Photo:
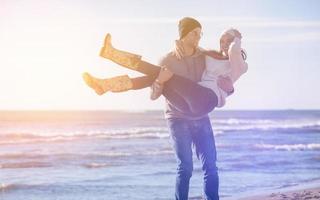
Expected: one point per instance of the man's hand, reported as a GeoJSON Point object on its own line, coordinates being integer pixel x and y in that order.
{"type": "Point", "coordinates": [225, 83]}
{"type": "Point", "coordinates": [178, 49]}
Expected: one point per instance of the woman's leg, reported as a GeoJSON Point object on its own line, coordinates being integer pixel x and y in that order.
{"type": "Point", "coordinates": [118, 83]}
{"type": "Point", "coordinates": [127, 59]}
{"type": "Point", "coordinates": [185, 95]}
{"type": "Point", "coordinates": [181, 91]}
{"type": "Point", "coordinates": [114, 84]}
{"type": "Point", "coordinates": [141, 82]}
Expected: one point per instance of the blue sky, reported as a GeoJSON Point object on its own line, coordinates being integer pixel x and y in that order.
{"type": "Point", "coordinates": [46, 45]}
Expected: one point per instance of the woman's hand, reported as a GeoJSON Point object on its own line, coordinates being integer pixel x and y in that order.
{"type": "Point", "coordinates": [178, 49]}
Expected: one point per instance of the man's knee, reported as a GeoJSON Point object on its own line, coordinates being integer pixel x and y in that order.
{"type": "Point", "coordinates": [185, 170]}
{"type": "Point", "coordinates": [210, 169]}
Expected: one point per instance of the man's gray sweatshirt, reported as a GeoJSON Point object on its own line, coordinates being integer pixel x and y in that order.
{"type": "Point", "coordinates": [190, 67]}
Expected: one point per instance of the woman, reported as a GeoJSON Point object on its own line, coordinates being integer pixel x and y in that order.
{"type": "Point", "coordinates": [194, 99]}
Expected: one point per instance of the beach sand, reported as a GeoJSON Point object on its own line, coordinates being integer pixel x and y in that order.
{"type": "Point", "coordinates": [299, 194]}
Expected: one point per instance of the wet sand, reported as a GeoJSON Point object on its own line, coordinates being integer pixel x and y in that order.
{"type": "Point", "coordinates": [299, 194]}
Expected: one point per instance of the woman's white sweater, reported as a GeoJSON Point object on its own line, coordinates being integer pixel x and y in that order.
{"type": "Point", "coordinates": [234, 67]}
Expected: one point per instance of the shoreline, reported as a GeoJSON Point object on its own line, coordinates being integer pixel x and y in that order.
{"type": "Point", "coordinates": [305, 191]}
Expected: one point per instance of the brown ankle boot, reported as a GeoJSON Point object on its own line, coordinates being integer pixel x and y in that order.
{"type": "Point", "coordinates": [115, 84]}
{"type": "Point", "coordinates": [122, 58]}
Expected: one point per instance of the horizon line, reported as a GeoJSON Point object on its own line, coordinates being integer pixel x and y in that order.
{"type": "Point", "coordinates": [151, 110]}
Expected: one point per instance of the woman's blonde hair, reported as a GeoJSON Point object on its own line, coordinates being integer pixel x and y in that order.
{"type": "Point", "coordinates": [229, 31]}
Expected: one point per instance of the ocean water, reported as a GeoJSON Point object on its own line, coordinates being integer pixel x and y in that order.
{"type": "Point", "coordinates": [128, 155]}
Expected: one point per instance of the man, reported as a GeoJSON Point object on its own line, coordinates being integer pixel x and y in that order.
{"type": "Point", "coordinates": [186, 130]}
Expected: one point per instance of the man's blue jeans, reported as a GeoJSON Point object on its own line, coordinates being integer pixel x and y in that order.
{"type": "Point", "coordinates": [184, 133]}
